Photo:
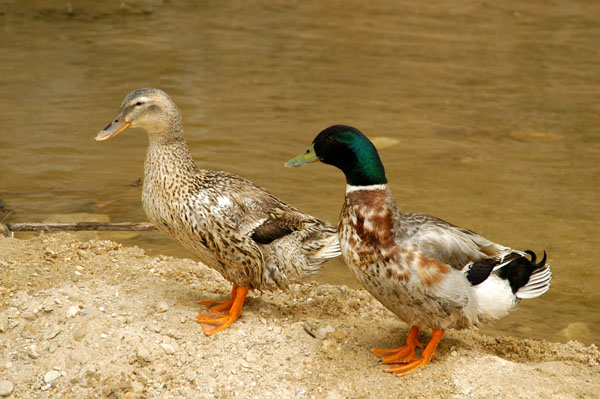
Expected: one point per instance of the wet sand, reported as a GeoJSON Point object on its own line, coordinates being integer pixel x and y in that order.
{"type": "Point", "coordinates": [91, 319]}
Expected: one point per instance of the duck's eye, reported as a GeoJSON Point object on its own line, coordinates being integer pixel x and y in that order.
{"type": "Point", "coordinates": [138, 103]}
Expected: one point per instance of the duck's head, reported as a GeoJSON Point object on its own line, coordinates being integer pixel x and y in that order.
{"type": "Point", "coordinates": [147, 108]}
{"type": "Point", "coordinates": [346, 148]}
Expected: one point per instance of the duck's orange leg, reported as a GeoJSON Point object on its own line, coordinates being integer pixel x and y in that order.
{"type": "Point", "coordinates": [403, 354]}
{"type": "Point", "coordinates": [409, 367]}
{"type": "Point", "coordinates": [213, 322]}
{"type": "Point", "coordinates": [218, 306]}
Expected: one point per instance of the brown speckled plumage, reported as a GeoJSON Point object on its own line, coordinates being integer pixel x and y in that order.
{"type": "Point", "coordinates": [235, 227]}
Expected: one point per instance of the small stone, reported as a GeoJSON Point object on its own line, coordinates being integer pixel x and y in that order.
{"type": "Point", "coordinates": [162, 307]}
{"type": "Point", "coordinates": [32, 351]}
{"type": "Point", "coordinates": [6, 388]}
{"type": "Point", "coordinates": [154, 327]}
{"type": "Point", "coordinates": [51, 376]}
{"type": "Point", "coordinates": [48, 305]}
{"type": "Point", "coordinates": [72, 311]}
{"type": "Point", "coordinates": [80, 333]}
{"type": "Point", "coordinates": [277, 330]}
{"type": "Point", "coordinates": [52, 332]}
{"type": "Point", "coordinates": [318, 333]}
{"type": "Point", "coordinates": [168, 348]}
{"type": "Point", "coordinates": [454, 353]}
{"type": "Point", "coordinates": [143, 354]}
{"type": "Point", "coordinates": [103, 335]}
{"type": "Point", "coordinates": [28, 315]}
{"type": "Point", "coordinates": [28, 332]}
{"type": "Point", "coordinates": [3, 323]}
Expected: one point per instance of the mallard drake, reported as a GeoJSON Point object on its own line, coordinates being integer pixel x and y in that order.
{"type": "Point", "coordinates": [429, 273]}
{"type": "Point", "coordinates": [242, 231]}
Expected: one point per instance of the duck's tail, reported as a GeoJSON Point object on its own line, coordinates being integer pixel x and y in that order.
{"type": "Point", "coordinates": [300, 255]}
{"type": "Point", "coordinates": [508, 281]}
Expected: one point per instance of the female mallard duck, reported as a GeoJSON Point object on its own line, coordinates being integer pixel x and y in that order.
{"type": "Point", "coordinates": [235, 227]}
{"type": "Point", "coordinates": [428, 272]}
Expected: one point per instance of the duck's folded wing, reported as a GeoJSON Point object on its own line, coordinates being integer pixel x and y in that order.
{"type": "Point", "coordinates": [446, 243]}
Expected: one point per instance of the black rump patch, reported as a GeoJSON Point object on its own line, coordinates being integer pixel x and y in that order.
{"type": "Point", "coordinates": [519, 270]}
{"type": "Point", "coordinates": [479, 272]}
{"type": "Point", "coordinates": [268, 232]}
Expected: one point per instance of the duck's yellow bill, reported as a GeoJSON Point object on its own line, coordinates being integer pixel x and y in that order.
{"type": "Point", "coordinates": [306, 157]}
{"type": "Point", "coordinates": [112, 130]}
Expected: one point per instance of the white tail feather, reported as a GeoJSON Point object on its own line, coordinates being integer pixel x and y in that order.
{"type": "Point", "coordinates": [329, 250]}
{"type": "Point", "coordinates": [538, 284]}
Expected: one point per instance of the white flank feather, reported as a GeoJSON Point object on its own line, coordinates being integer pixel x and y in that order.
{"type": "Point", "coordinates": [495, 297]}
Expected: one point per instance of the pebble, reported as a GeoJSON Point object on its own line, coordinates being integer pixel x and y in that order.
{"type": "Point", "coordinates": [3, 324]}
{"type": "Point", "coordinates": [80, 333]}
{"type": "Point", "coordinates": [32, 351]}
{"type": "Point", "coordinates": [168, 348]}
{"type": "Point", "coordinates": [72, 311]}
{"type": "Point", "coordinates": [162, 307]}
{"type": "Point", "coordinates": [143, 353]}
{"type": "Point", "coordinates": [48, 305]}
{"type": "Point", "coordinates": [52, 332]}
{"type": "Point", "coordinates": [28, 332]}
{"type": "Point", "coordinates": [6, 388]}
{"type": "Point", "coordinates": [51, 376]}
{"type": "Point", "coordinates": [28, 315]}
{"type": "Point", "coordinates": [318, 333]}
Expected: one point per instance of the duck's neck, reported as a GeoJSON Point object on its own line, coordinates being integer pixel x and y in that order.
{"type": "Point", "coordinates": [168, 159]}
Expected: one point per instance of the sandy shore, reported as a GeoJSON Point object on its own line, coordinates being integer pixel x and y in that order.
{"type": "Point", "coordinates": [95, 319]}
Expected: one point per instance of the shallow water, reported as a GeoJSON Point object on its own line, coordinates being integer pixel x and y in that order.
{"type": "Point", "coordinates": [495, 109]}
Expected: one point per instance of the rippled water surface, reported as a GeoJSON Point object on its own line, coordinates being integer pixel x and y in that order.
{"type": "Point", "coordinates": [494, 107]}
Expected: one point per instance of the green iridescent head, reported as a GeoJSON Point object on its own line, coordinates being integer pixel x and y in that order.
{"type": "Point", "coordinates": [346, 148]}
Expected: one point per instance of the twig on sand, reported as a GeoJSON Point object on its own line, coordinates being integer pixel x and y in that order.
{"type": "Point", "coordinates": [136, 183]}
{"type": "Point", "coordinates": [6, 229]}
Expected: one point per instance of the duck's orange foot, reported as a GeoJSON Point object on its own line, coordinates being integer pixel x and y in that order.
{"type": "Point", "coordinates": [404, 369]}
{"type": "Point", "coordinates": [403, 354]}
{"type": "Point", "coordinates": [409, 366]}
{"type": "Point", "coordinates": [214, 321]}
{"type": "Point", "coordinates": [217, 306]}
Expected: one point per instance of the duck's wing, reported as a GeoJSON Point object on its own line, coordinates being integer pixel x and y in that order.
{"type": "Point", "coordinates": [245, 220]}
{"type": "Point", "coordinates": [449, 244]}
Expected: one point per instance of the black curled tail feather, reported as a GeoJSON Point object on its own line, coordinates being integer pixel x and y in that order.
{"type": "Point", "coordinates": [541, 263]}
{"type": "Point", "coordinates": [527, 278]}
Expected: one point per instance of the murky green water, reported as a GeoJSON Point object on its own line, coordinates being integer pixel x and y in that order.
{"type": "Point", "coordinates": [495, 107]}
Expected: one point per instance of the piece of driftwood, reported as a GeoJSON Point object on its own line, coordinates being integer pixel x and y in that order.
{"type": "Point", "coordinates": [79, 226]}
{"type": "Point", "coordinates": [136, 183]}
